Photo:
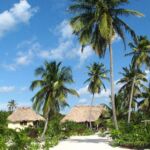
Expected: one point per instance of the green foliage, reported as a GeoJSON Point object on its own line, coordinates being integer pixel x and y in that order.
{"type": "Point", "coordinates": [2, 143]}
{"type": "Point", "coordinates": [132, 136]}
{"type": "Point", "coordinates": [51, 142]}
{"type": "Point", "coordinates": [96, 74]}
{"type": "Point", "coordinates": [72, 128]}
{"type": "Point", "coordinates": [20, 141]}
{"type": "Point", "coordinates": [3, 118]}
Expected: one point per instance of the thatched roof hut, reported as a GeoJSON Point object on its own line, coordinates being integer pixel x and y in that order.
{"type": "Point", "coordinates": [82, 114]}
{"type": "Point", "coordinates": [24, 114]}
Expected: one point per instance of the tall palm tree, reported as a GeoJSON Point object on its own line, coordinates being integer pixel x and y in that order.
{"type": "Point", "coordinates": [144, 104]}
{"type": "Point", "coordinates": [97, 73]}
{"type": "Point", "coordinates": [11, 105]}
{"type": "Point", "coordinates": [130, 76]}
{"type": "Point", "coordinates": [52, 89]}
{"type": "Point", "coordinates": [140, 56]}
{"type": "Point", "coordinates": [96, 22]}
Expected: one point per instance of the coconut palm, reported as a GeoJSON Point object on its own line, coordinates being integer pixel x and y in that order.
{"type": "Point", "coordinates": [130, 76]}
{"type": "Point", "coordinates": [11, 105]}
{"type": "Point", "coordinates": [96, 23]}
{"type": "Point", "coordinates": [141, 56]}
{"type": "Point", "coordinates": [97, 73]}
{"type": "Point", "coordinates": [144, 104]}
{"type": "Point", "coordinates": [52, 89]}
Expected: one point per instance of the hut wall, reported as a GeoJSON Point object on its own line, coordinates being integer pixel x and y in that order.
{"type": "Point", "coordinates": [18, 125]}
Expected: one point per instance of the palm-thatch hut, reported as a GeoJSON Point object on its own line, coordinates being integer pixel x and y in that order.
{"type": "Point", "coordinates": [22, 118]}
{"type": "Point", "coordinates": [84, 114]}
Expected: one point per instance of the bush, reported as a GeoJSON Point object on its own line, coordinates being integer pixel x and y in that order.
{"type": "Point", "coordinates": [3, 118]}
{"type": "Point", "coordinates": [3, 143]}
{"type": "Point", "coordinates": [20, 141]}
{"type": "Point", "coordinates": [132, 136]}
{"type": "Point", "coordinates": [72, 128]}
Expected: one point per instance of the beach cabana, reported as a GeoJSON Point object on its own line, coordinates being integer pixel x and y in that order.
{"type": "Point", "coordinates": [82, 114]}
{"type": "Point", "coordinates": [23, 117]}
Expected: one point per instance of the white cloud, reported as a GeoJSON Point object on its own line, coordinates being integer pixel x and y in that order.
{"type": "Point", "coordinates": [67, 49]}
{"type": "Point", "coordinates": [7, 89]}
{"type": "Point", "coordinates": [103, 94]}
{"type": "Point", "coordinates": [65, 30]}
{"type": "Point", "coordinates": [24, 89]}
{"type": "Point", "coordinates": [116, 38]}
{"type": "Point", "coordinates": [20, 13]}
{"type": "Point", "coordinates": [147, 74]}
{"type": "Point", "coordinates": [24, 58]}
{"type": "Point", "coordinates": [83, 101]}
{"type": "Point", "coordinates": [83, 90]}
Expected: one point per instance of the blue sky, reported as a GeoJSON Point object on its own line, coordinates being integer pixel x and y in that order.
{"type": "Point", "coordinates": [35, 30]}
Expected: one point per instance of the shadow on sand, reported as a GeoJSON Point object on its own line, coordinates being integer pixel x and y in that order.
{"type": "Point", "coordinates": [89, 140]}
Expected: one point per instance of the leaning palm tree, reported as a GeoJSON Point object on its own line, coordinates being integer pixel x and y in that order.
{"type": "Point", "coordinates": [11, 105]}
{"type": "Point", "coordinates": [130, 76]}
{"type": "Point", "coordinates": [52, 89]}
{"type": "Point", "coordinates": [96, 22]}
{"type": "Point", "coordinates": [141, 56]}
{"type": "Point", "coordinates": [97, 73]}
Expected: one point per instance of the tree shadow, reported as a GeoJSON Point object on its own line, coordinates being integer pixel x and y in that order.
{"type": "Point", "coordinates": [100, 140]}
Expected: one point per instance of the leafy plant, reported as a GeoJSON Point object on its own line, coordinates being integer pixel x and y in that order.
{"type": "Point", "coordinates": [132, 136]}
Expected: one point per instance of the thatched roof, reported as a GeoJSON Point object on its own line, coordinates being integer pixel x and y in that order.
{"type": "Point", "coordinates": [24, 114]}
{"type": "Point", "coordinates": [82, 114]}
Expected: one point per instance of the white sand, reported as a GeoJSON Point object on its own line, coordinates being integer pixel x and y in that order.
{"type": "Point", "coordinates": [93, 142]}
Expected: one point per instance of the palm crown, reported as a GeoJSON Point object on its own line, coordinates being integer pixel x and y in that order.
{"type": "Point", "coordinates": [97, 21]}
{"type": "Point", "coordinates": [53, 91]}
{"type": "Point", "coordinates": [129, 74]}
{"type": "Point", "coordinates": [141, 51]}
{"type": "Point", "coordinates": [97, 73]}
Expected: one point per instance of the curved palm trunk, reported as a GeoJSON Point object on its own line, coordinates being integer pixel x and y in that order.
{"type": "Point", "coordinates": [45, 128]}
{"type": "Point", "coordinates": [112, 87]}
{"type": "Point", "coordinates": [46, 125]}
{"type": "Point", "coordinates": [130, 101]}
{"type": "Point", "coordinates": [91, 111]}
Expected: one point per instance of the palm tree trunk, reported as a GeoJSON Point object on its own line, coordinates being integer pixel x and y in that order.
{"type": "Point", "coordinates": [130, 101]}
{"type": "Point", "coordinates": [112, 87]}
{"type": "Point", "coordinates": [45, 128]}
{"type": "Point", "coordinates": [91, 111]}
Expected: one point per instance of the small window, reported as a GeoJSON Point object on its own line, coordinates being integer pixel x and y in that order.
{"type": "Point", "coordinates": [23, 123]}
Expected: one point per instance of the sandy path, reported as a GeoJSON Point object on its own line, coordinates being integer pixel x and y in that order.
{"type": "Point", "coordinates": [85, 143]}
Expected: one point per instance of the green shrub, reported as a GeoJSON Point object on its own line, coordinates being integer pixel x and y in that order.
{"type": "Point", "coordinates": [51, 142]}
{"type": "Point", "coordinates": [72, 128]}
{"type": "Point", "coordinates": [20, 141]}
{"type": "Point", "coordinates": [2, 143]}
{"type": "Point", "coordinates": [132, 136]}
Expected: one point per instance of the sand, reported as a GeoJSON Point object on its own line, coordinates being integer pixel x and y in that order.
{"type": "Point", "coordinates": [93, 142]}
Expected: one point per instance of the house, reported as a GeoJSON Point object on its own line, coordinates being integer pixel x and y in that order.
{"type": "Point", "coordinates": [84, 114]}
{"type": "Point", "coordinates": [22, 118]}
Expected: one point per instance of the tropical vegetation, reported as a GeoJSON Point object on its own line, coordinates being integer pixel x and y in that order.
{"type": "Point", "coordinates": [96, 23]}
{"type": "Point", "coordinates": [97, 73]}
{"type": "Point", "coordinates": [53, 90]}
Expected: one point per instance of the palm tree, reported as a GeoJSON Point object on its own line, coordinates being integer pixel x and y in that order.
{"type": "Point", "coordinates": [144, 104]}
{"type": "Point", "coordinates": [52, 89]}
{"type": "Point", "coordinates": [11, 105]}
{"type": "Point", "coordinates": [141, 56]}
{"type": "Point", "coordinates": [96, 22]}
{"type": "Point", "coordinates": [130, 76]}
{"type": "Point", "coordinates": [121, 105]}
{"type": "Point", "coordinates": [97, 73]}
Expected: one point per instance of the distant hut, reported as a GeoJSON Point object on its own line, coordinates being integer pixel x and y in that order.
{"type": "Point", "coordinates": [82, 114]}
{"type": "Point", "coordinates": [22, 118]}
